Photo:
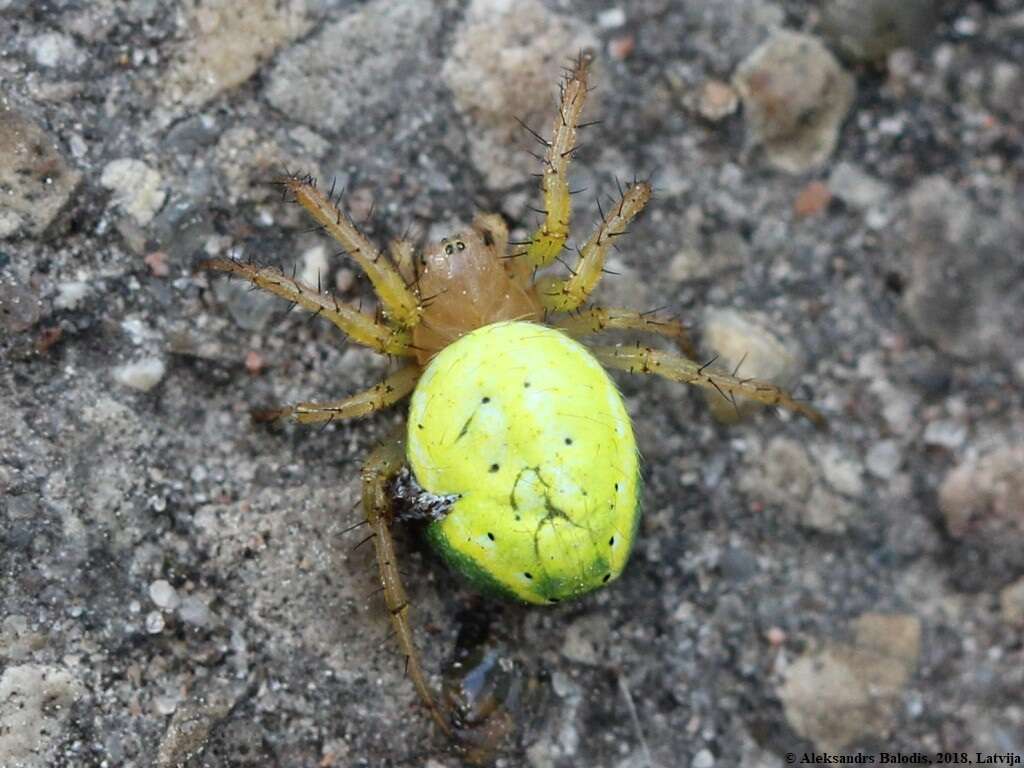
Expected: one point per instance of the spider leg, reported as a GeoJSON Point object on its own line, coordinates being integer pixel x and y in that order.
{"type": "Point", "coordinates": [403, 253]}
{"type": "Point", "coordinates": [596, 319]}
{"type": "Point", "coordinates": [652, 361]}
{"type": "Point", "coordinates": [381, 466]}
{"type": "Point", "coordinates": [387, 393]}
{"type": "Point", "coordinates": [360, 327]}
{"type": "Point", "coordinates": [400, 302]}
{"type": "Point", "coordinates": [560, 295]}
{"type": "Point", "coordinates": [549, 239]}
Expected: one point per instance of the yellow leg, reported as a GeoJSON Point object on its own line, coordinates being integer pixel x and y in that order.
{"type": "Point", "coordinates": [380, 468]}
{"type": "Point", "coordinates": [548, 240]}
{"type": "Point", "coordinates": [387, 393]}
{"type": "Point", "coordinates": [399, 302]}
{"type": "Point", "coordinates": [360, 327]}
{"type": "Point", "coordinates": [565, 295]}
{"type": "Point", "coordinates": [597, 319]}
{"type": "Point", "coordinates": [402, 254]}
{"type": "Point", "coordinates": [652, 361]}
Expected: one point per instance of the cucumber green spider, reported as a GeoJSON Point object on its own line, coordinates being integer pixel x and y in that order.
{"type": "Point", "coordinates": [518, 450]}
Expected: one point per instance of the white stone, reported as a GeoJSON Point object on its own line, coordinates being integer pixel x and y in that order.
{"type": "Point", "coordinates": [155, 622]}
{"type": "Point", "coordinates": [611, 18]}
{"type": "Point", "coordinates": [855, 187]}
{"type": "Point", "coordinates": [163, 595]}
{"type": "Point", "coordinates": [136, 188]}
{"type": "Point", "coordinates": [142, 375]}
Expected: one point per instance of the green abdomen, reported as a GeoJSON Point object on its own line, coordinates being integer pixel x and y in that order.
{"type": "Point", "coordinates": [528, 428]}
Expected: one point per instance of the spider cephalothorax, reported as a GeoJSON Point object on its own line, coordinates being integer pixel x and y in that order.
{"type": "Point", "coordinates": [520, 449]}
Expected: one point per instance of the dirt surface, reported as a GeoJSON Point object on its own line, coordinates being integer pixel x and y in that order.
{"type": "Point", "coordinates": [841, 198]}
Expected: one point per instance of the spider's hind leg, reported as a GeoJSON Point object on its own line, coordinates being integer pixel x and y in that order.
{"type": "Point", "coordinates": [646, 360]}
{"type": "Point", "coordinates": [597, 319]}
{"type": "Point", "coordinates": [379, 470]}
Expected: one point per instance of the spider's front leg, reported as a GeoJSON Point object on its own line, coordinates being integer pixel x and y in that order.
{"type": "Point", "coordinates": [378, 472]}
{"type": "Point", "coordinates": [549, 239]}
{"type": "Point", "coordinates": [400, 302]}
{"type": "Point", "coordinates": [360, 327]}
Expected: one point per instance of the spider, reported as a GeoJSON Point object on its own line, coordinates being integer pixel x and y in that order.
{"type": "Point", "coordinates": [518, 451]}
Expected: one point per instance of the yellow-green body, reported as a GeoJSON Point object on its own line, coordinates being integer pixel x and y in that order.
{"type": "Point", "coordinates": [527, 428]}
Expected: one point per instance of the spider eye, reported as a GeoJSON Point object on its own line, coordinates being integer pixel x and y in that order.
{"type": "Point", "coordinates": [460, 245]}
{"type": "Point", "coordinates": [448, 249]}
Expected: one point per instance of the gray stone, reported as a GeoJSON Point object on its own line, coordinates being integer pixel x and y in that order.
{"type": "Point", "coordinates": [868, 30]}
{"type": "Point", "coordinates": [53, 49]}
{"type": "Point", "coordinates": [1011, 603]}
{"type": "Point", "coordinates": [35, 703]}
{"type": "Point", "coordinates": [982, 503]}
{"type": "Point", "coordinates": [795, 96]}
{"type": "Point", "coordinates": [883, 459]}
{"type": "Point", "coordinates": [379, 43]}
{"type": "Point", "coordinates": [845, 692]}
{"type": "Point", "coordinates": [19, 306]}
{"type": "Point", "coordinates": [36, 182]}
{"type": "Point", "coordinates": [964, 288]}
{"type": "Point", "coordinates": [856, 188]}
{"type": "Point", "coordinates": [222, 46]}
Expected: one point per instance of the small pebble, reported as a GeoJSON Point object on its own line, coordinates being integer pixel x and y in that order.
{"type": "Point", "coordinates": [315, 268]}
{"type": "Point", "coordinates": [157, 263]}
{"type": "Point", "coordinates": [137, 188]}
{"type": "Point", "coordinates": [253, 362]}
{"type": "Point", "coordinates": [945, 433]}
{"type": "Point", "coordinates": [621, 48]}
{"type": "Point", "coordinates": [883, 459]}
{"type": "Point", "coordinates": [194, 611]}
{"type": "Point", "coordinates": [717, 100]}
{"type": "Point", "coordinates": [611, 18]}
{"type": "Point", "coordinates": [856, 188]}
{"type": "Point", "coordinates": [812, 200]}
{"type": "Point", "coordinates": [142, 375]}
{"type": "Point", "coordinates": [703, 759]}
{"type": "Point", "coordinates": [163, 595]}
{"type": "Point", "coordinates": [155, 622]}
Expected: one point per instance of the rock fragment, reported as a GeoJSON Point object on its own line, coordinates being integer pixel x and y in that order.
{"type": "Point", "coordinates": [982, 503]}
{"type": "Point", "coordinates": [964, 289]}
{"type": "Point", "coordinates": [795, 95]}
{"type": "Point", "coordinates": [35, 703]}
{"type": "Point", "coordinates": [137, 188]}
{"type": "Point", "coordinates": [142, 375]}
{"type": "Point", "coordinates": [869, 30]}
{"type": "Point", "coordinates": [36, 181]}
{"type": "Point", "coordinates": [845, 692]}
{"type": "Point", "coordinates": [382, 42]}
{"type": "Point", "coordinates": [225, 46]}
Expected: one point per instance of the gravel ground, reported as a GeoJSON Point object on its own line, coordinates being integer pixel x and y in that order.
{"type": "Point", "coordinates": [838, 195]}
